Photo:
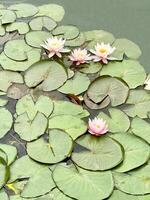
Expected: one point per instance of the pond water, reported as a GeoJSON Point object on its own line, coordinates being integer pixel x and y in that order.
{"type": "Point", "coordinates": [123, 18]}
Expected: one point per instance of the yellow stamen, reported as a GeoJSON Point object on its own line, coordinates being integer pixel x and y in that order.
{"type": "Point", "coordinates": [103, 51]}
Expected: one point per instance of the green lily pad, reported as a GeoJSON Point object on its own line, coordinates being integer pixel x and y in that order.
{"type": "Point", "coordinates": [7, 16]}
{"type": "Point", "coordinates": [3, 195]}
{"type": "Point", "coordinates": [39, 184]}
{"type": "Point", "coordinates": [122, 196]}
{"type": "Point", "coordinates": [24, 9]}
{"type": "Point", "coordinates": [138, 103]}
{"type": "Point", "coordinates": [82, 184]}
{"type": "Point", "coordinates": [49, 74]}
{"type": "Point", "coordinates": [72, 85]}
{"type": "Point", "coordinates": [24, 167]}
{"type": "Point", "coordinates": [33, 56]}
{"type": "Point", "coordinates": [118, 120]}
{"type": "Point", "coordinates": [129, 48]}
{"type": "Point", "coordinates": [21, 27]}
{"type": "Point", "coordinates": [26, 104]}
{"type": "Point", "coordinates": [30, 130]}
{"type": "Point", "coordinates": [7, 78]}
{"type": "Point", "coordinates": [38, 23]}
{"type": "Point", "coordinates": [91, 68]}
{"type": "Point", "coordinates": [68, 32]}
{"type": "Point", "coordinates": [6, 123]}
{"type": "Point", "coordinates": [76, 42]}
{"type": "Point", "coordinates": [36, 38]}
{"type": "Point", "coordinates": [68, 108]}
{"type": "Point", "coordinates": [141, 128]}
{"type": "Point", "coordinates": [54, 11]}
{"type": "Point", "coordinates": [4, 173]}
{"type": "Point", "coordinates": [97, 153]}
{"type": "Point", "coordinates": [136, 151]}
{"type": "Point", "coordinates": [110, 88]}
{"type": "Point", "coordinates": [58, 195]}
{"type": "Point", "coordinates": [3, 102]}
{"type": "Point", "coordinates": [53, 150]}
{"type": "Point", "coordinates": [135, 182]}
{"type": "Point", "coordinates": [72, 125]}
{"type": "Point", "coordinates": [129, 70]}
{"type": "Point", "coordinates": [10, 151]}
{"type": "Point", "coordinates": [17, 50]}
{"type": "Point", "coordinates": [2, 30]}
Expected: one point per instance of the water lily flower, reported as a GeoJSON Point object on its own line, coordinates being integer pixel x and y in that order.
{"type": "Point", "coordinates": [80, 56]}
{"type": "Point", "coordinates": [102, 52]}
{"type": "Point", "coordinates": [97, 127]}
{"type": "Point", "coordinates": [147, 83]}
{"type": "Point", "coordinates": [55, 46]}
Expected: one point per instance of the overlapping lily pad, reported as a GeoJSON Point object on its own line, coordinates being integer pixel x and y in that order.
{"type": "Point", "coordinates": [21, 27]}
{"type": "Point", "coordinates": [7, 16]}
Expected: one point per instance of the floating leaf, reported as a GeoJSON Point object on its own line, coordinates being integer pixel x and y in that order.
{"type": "Point", "coordinates": [54, 11]}
{"type": "Point", "coordinates": [135, 182]}
{"type": "Point", "coordinates": [118, 120]}
{"type": "Point", "coordinates": [91, 68]}
{"type": "Point", "coordinates": [58, 195]}
{"type": "Point", "coordinates": [82, 184]}
{"type": "Point", "coordinates": [30, 130]}
{"type": "Point", "coordinates": [2, 30]}
{"type": "Point", "coordinates": [3, 102]}
{"type": "Point", "coordinates": [21, 27]}
{"type": "Point", "coordinates": [3, 195]}
{"type": "Point", "coordinates": [78, 41]}
{"type": "Point", "coordinates": [7, 16]}
{"type": "Point", "coordinates": [4, 172]}
{"type": "Point", "coordinates": [141, 128]}
{"type": "Point", "coordinates": [33, 56]}
{"type": "Point", "coordinates": [39, 23]}
{"type": "Point", "coordinates": [122, 196]}
{"type": "Point", "coordinates": [107, 87]}
{"type": "Point", "coordinates": [17, 50]}
{"type": "Point", "coordinates": [11, 152]}
{"type": "Point", "coordinates": [68, 32]}
{"type": "Point", "coordinates": [129, 48]}
{"type": "Point", "coordinates": [36, 38]}
{"type": "Point", "coordinates": [24, 9]}
{"type": "Point", "coordinates": [72, 125]}
{"type": "Point", "coordinates": [49, 74]}
{"type": "Point", "coordinates": [129, 70]}
{"type": "Point", "coordinates": [72, 85]}
{"type": "Point", "coordinates": [6, 123]}
{"type": "Point", "coordinates": [138, 103]}
{"type": "Point", "coordinates": [97, 153]}
{"type": "Point", "coordinates": [136, 151]}
{"type": "Point", "coordinates": [26, 105]}
{"type": "Point", "coordinates": [55, 150]}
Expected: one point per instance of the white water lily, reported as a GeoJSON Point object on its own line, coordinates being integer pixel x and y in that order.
{"type": "Point", "coordinates": [80, 56]}
{"type": "Point", "coordinates": [102, 52]}
{"type": "Point", "coordinates": [147, 83]}
{"type": "Point", "coordinates": [55, 46]}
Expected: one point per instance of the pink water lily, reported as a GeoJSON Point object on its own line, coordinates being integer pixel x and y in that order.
{"type": "Point", "coordinates": [80, 56]}
{"type": "Point", "coordinates": [55, 46]}
{"type": "Point", "coordinates": [102, 52]}
{"type": "Point", "coordinates": [97, 127]}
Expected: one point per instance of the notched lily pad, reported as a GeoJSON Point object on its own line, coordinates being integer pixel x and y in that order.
{"type": "Point", "coordinates": [21, 27]}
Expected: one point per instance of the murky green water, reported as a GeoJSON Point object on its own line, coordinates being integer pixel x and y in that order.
{"type": "Point", "coordinates": [124, 18]}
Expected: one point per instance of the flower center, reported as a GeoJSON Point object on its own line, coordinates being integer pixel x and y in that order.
{"type": "Point", "coordinates": [97, 126]}
{"type": "Point", "coordinates": [103, 50]}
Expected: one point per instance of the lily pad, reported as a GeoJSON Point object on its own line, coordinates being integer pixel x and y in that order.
{"type": "Point", "coordinates": [6, 123]}
{"type": "Point", "coordinates": [7, 16]}
{"type": "Point", "coordinates": [33, 56]}
{"type": "Point", "coordinates": [30, 130]}
{"type": "Point", "coordinates": [122, 196]}
{"type": "Point", "coordinates": [108, 87]}
{"type": "Point", "coordinates": [135, 182]}
{"type": "Point", "coordinates": [78, 41]}
{"type": "Point", "coordinates": [36, 38]}
{"type": "Point", "coordinates": [3, 102]}
{"type": "Point", "coordinates": [136, 151]}
{"type": "Point", "coordinates": [72, 85]}
{"type": "Point", "coordinates": [3, 195]}
{"type": "Point", "coordinates": [24, 9]}
{"type": "Point", "coordinates": [129, 48]}
{"type": "Point", "coordinates": [21, 27]}
{"type": "Point", "coordinates": [53, 150]}
{"type": "Point", "coordinates": [72, 125]}
{"type": "Point", "coordinates": [141, 128]}
{"type": "Point", "coordinates": [91, 68]}
{"type": "Point", "coordinates": [54, 11]}
{"type": "Point", "coordinates": [68, 32]}
{"type": "Point", "coordinates": [11, 152]}
{"type": "Point", "coordinates": [26, 104]}
{"type": "Point", "coordinates": [39, 23]}
{"type": "Point", "coordinates": [76, 182]}
{"type": "Point", "coordinates": [118, 120]}
{"type": "Point", "coordinates": [129, 70]}
{"type": "Point", "coordinates": [97, 153]}
{"type": "Point", "coordinates": [17, 50]}
{"type": "Point", "coordinates": [4, 173]}
{"type": "Point", "coordinates": [2, 30]}
{"type": "Point", "coordinates": [58, 195]}
{"type": "Point", "coordinates": [49, 74]}
{"type": "Point", "coordinates": [138, 103]}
